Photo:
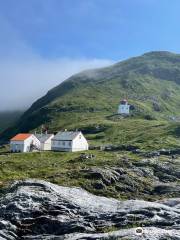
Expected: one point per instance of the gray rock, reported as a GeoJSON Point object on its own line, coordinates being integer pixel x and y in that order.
{"type": "Point", "coordinates": [148, 234]}
{"type": "Point", "coordinates": [156, 106]}
{"type": "Point", "coordinates": [169, 169]}
{"type": "Point", "coordinates": [35, 209]}
{"type": "Point", "coordinates": [99, 185]}
{"type": "Point", "coordinates": [167, 188]}
{"type": "Point", "coordinates": [106, 175]}
{"type": "Point", "coordinates": [146, 178]}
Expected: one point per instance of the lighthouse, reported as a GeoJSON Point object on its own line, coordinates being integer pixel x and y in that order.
{"type": "Point", "coordinates": [124, 107]}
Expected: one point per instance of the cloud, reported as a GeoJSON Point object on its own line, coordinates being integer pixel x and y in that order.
{"type": "Point", "coordinates": [22, 82]}
{"type": "Point", "coordinates": [25, 75]}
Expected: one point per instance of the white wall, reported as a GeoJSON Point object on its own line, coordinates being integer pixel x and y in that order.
{"type": "Point", "coordinates": [17, 146]}
{"type": "Point", "coordinates": [33, 140]}
{"type": "Point", "coordinates": [123, 109]}
{"type": "Point", "coordinates": [61, 145]}
{"type": "Point", "coordinates": [24, 146]}
{"type": "Point", "coordinates": [47, 145]}
{"type": "Point", "coordinates": [80, 143]}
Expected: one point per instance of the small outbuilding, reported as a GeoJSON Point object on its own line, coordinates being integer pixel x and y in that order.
{"type": "Point", "coordinates": [45, 141]}
{"type": "Point", "coordinates": [69, 141]}
{"type": "Point", "coordinates": [24, 142]}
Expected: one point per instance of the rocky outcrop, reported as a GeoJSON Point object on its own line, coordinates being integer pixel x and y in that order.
{"type": "Point", "coordinates": [148, 178]}
{"type": "Point", "coordinates": [156, 106]}
{"type": "Point", "coordinates": [166, 171]}
{"type": "Point", "coordinates": [107, 175]}
{"type": "Point", "coordinates": [128, 234]}
{"type": "Point", "coordinates": [35, 209]}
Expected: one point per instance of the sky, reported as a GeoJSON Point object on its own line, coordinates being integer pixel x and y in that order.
{"type": "Point", "coordinates": [43, 42]}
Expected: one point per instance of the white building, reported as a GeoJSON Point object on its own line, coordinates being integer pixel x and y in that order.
{"type": "Point", "coordinates": [124, 107]}
{"type": "Point", "coordinates": [69, 142]}
{"type": "Point", "coordinates": [24, 142]}
{"type": "Point", "coordinates": [45, 141]}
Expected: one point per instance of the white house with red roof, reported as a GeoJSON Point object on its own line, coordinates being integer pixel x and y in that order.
{"type": "Point", "coordinates": [24, 142]}
{"type": "Point", "coordinates": [124, 107]}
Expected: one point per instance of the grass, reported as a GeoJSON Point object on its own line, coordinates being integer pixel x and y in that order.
{"type": "Point", "coordinates": [101, 128]}
{"type": "Point", "coordinates": [67, 169]}
{"type": "Point", "coordinates": [89, 102]}
{"type": "Point", "coordinates": [145, 134]}
{"type": "Point", "coordinates": [150, 82]}
{"type": "Point", "coordinates": [46, 165]}
{"type": "Point", "coordinates": [60, 168]}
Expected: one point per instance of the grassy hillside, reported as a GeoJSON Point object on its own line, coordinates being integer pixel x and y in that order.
{"type": "Point", "coordinates": [89, 101]}
{"type": "Point", "coordinates": [121, 175]}
{"type": "Point", "coordinates": [8, 118]}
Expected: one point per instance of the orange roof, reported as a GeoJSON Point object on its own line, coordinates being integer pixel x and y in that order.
{"type": "Point", "coordinates": [21, 137]}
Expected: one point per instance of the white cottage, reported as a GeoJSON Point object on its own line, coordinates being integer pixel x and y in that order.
{"type": "Point", "coordinates": [24, 142]}
{"type": "Point", "coordinates": [124, 107]}
{"type": "Point", "coordinates": [45, 141]}
{"type": "Point", "coordinates": [69, 142]}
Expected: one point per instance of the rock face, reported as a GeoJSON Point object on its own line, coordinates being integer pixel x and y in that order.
{"type": "Point", "coordinates": [148, 179]}
{"type": "Point", "coordinates": [35, 209]}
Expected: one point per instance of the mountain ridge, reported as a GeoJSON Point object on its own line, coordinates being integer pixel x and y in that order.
{"type": "Point", "coordinates": [151, 82]}
{"type": "Point", "coordinates": [92, 72]}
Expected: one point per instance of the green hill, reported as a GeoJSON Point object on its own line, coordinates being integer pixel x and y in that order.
{"type": "Point", "coordinates": [89, 101]}
{"type": "Point", "coordinates": [8, 118]}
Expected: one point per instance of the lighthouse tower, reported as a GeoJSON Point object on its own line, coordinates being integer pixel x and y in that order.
{"type": "Point", "coordinates": [124, 107]}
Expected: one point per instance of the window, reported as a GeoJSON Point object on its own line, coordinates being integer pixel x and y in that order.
{"type": "Point", "coordinates": [69, 143]}
{"type": "Point", "coordinates": [63, 143]}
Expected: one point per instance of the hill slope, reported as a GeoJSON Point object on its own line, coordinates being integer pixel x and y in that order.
{"type": "Point", "coordinates": [88, 100]}
{"type": "Point", "coordinates": [8, 118]}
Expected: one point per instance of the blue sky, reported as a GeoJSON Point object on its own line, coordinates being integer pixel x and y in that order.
{"type": "Point", "coordinates": [45, 41]}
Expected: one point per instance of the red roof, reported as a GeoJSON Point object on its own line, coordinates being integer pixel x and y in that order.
{"type": "Point", "coordinates": [124, 101]}
{"type": "Point", "coordinates": [21, 137]}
